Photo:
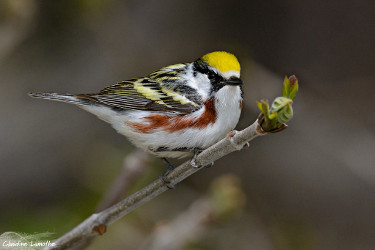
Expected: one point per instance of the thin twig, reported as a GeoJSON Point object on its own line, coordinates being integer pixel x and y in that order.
{"type": "Point", "coordinates": [97, 223]}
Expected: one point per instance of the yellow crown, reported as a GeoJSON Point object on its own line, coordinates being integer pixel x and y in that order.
{"type": "Point", "coordinates": [222, 61]}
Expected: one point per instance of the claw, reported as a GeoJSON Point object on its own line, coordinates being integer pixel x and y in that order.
{"type": "Point", "coordinates": [192, 163]}
{"type": "Point", "coordinates": [193, 159]}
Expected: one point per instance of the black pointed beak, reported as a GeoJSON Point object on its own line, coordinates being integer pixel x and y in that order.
{"type": "Point", "coordinates": [235, 81]}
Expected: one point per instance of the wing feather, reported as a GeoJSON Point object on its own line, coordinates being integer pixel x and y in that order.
{"type": "Point", "coordinates": [158, 92]}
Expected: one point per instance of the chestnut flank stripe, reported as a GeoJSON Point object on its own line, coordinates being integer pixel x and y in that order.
{"type": "Point", "coordinates": [176, 123]}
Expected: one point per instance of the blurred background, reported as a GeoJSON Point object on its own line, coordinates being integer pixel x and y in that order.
{"type": "Point", "coordinates": [310, 187]}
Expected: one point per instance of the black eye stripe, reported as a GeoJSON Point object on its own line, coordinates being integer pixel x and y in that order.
{"type": "Point", "coordinates": [212, 75]}
{"type": "Point", "coordinates": [203, 68]}
{"type": "Point", "coordinates": [216, 80]}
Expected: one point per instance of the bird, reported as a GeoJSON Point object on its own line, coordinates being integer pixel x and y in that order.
{"type": "Point", "coordinates": [174, 112]}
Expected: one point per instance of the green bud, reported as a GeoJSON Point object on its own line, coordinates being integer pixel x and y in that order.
{"type": "Point", "coordinates": [281, 110]}
{"type": "Point", "coordinates": [283, 107]}
{"type": "Point", "coordinates": [290, 87]}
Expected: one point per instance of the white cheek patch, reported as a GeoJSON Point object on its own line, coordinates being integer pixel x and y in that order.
{"type": "Point", "coordinates": [200, 82]}
{"type": "Point", "coordinates": [204, 85]}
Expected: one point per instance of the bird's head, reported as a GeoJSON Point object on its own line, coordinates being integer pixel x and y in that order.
{"type": "Point", "coordinates": [223, 63]}
{"type": "Point", "coordinates": [221, 69]}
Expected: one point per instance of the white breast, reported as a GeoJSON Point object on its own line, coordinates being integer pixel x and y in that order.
{"type": "Point", "coordinates": [228, 111]}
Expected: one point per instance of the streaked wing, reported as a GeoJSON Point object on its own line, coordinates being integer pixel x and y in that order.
{"type": "Point", "coordinates": [145, 94]}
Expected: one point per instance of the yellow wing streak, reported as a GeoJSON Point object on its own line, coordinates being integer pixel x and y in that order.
{"type": "Point", "coordinates": [177, 97]}
{"type": "Point", "coordinates": [149, 93]}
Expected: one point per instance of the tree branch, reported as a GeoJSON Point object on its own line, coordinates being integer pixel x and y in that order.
{"type": "Point", "coordinates": [98, 222]}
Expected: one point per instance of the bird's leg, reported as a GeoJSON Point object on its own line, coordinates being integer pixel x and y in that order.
{"type": "Point", "coordinates": [170, 167]}
{"type": "Point", "coordinates": [196, 152]}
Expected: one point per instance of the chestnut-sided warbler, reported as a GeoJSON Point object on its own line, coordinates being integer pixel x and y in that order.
{"type": "Point", "coordinates": [176, 110]}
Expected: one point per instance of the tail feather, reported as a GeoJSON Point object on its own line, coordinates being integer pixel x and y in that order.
{"type": "Point", "coordinates": [68, 98]}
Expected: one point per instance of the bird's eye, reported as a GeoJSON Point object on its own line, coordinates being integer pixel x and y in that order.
{"type": "Point", "coordinates": [211, 75]}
